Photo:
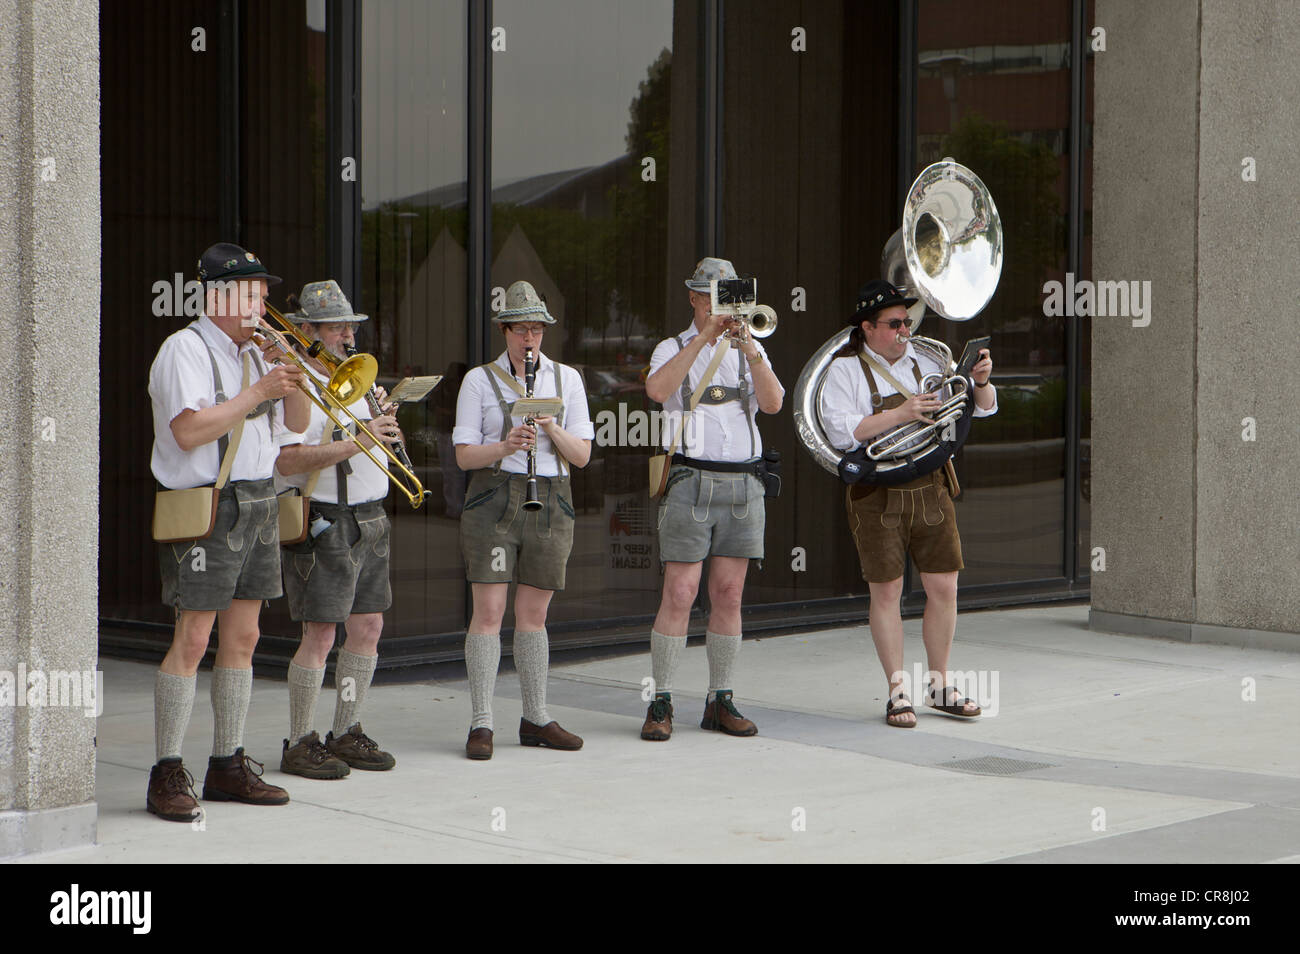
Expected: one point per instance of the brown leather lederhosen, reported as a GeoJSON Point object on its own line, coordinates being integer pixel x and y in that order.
{"type": "Point", "coordinates": [915, 517]}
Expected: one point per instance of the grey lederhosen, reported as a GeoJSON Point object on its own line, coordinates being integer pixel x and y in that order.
{"type": "Point", "coordinates": [344, 569]}
{"type": "Point", "coordinates": [239, 559]}
{"type": "Point", "coordinates": [711, 513]}
{"type": "Point", "coordinates": [498, 537]}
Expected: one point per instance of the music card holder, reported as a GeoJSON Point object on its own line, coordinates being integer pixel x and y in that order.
{"type": "Point", "coordinates": [970, 355]}
{"type": "Point", "coordinates": [410, 390]}
{"type": "Point", "coordinates": [537, 407]}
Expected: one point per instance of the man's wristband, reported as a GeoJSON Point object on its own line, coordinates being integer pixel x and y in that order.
{"type": "Point", "coordinates": [757, 359]}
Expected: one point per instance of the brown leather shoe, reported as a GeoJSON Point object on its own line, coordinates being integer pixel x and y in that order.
{"type": "Point", "coordinates": [549, 735]}
{"type": "Point", "coordinates": [359, 750]}
{"type": "Point", "coordinates": [721, 715]}
{"type": "Point", "coordinates": [232, 778]}
{"type": "Point", "coordinates": [658, 725]}
{"type": "Point", "coordinates": [479, 744]}
{"type": "Point", "coordinates": [310, 759]}
{"type": "Point", "coordinates": [171, 792]}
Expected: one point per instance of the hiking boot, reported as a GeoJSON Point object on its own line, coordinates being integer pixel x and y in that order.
{"type": "Point", "coordinates": [721, 715]}
{"type": "Point", "coordinates": [232, 778]}
{"type": "Point", "coordinates": [658, 725]}
{"type": "Point", "coordinates": [310, 759]}
{"type": "Point", "coordinates": [171, 792]}
{"type": "Point", "coordinates": [359, 750]}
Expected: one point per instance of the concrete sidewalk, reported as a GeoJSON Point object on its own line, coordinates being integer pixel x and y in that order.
{"type": "Point", "coordinates": [1150, 737]}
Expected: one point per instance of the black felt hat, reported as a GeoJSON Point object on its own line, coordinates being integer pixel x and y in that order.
{"type": "Point", "coordinates": [875, 296]}
{"type": "Point", "coordinates": [226, 262]}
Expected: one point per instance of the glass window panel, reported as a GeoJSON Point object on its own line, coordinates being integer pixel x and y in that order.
{"type": "Point", "coordinates": [583, 130]}
{"type": "Point", "coordinates": [1007, 118]}
{"type": "Point", "coordinates": [413, 262]}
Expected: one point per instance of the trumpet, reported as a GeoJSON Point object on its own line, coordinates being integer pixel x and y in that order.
{"type": "Point", "coordinates": [738, 299]}
{"type": "Point", "coordinates": [350, 379]}
{"type": "Point", "coordinates": [531, 502]}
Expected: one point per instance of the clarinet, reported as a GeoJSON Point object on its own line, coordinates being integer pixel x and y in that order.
{"type": "Point", "coordinates": [530, 494]}
{"type": "Point", "coordinates": [372, 401]}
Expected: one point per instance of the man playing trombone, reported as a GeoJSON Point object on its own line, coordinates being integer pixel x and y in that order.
{"type": "Point", "coordinates": [339, 573]}
{"type": "Point", "coordinates": [519, 513]}
{"type": "Point", "coordinates": [217, 414]}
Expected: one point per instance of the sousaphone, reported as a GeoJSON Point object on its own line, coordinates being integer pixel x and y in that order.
{"type": "Point", "coordinates": [948, 255]}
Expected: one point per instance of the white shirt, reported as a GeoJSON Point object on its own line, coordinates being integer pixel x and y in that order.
{"type": "Point", "coordinates": [478, 415]}
{"type": "Point", "coordinates": [846, 396]}
{"type": "Point", "coordinates": [366, 482]}
{"type": "Point", "coordinates": [180, 379]}
{"type": "Point", "coordinates": [718, 432]}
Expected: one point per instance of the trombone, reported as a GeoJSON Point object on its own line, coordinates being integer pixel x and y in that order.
{"type": "Point", "coordinates": [350, 381]}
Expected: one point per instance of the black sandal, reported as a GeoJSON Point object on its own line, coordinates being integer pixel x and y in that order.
{"type": "Point", "coordinates": [893, 710]}
{"type": "Point", "coordinates": [956, 708]}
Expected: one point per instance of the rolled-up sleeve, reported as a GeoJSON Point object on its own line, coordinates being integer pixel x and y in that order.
{"type": "Point", "coordinates": [980, 412]}
{"type": "Point", "coordinates": [469, 410]}
{"type": "Point", "coordinates": [842, 406]}
{"type": "Point", "coordinates": [577, 416]}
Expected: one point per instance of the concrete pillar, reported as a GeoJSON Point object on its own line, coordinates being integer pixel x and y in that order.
{"type": "Point", "coordinates": [1200, 526]}
{"type": "Point", "coordinates": [49, 408]}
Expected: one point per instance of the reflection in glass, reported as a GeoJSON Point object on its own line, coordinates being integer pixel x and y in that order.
{"type": "Point", "coordinates": [1003, 110]}
{"type": "Point", "coordinates": [413, 239]}
{"type": "Point", "coordinates": [580, 185]}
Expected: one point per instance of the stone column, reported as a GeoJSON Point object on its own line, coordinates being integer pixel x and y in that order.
{"type": "Point", "coordinates": [49, 410]}
{"type": "Point", "coordinates": [1200, 523]}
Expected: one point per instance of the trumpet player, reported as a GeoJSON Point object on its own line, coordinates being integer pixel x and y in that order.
{"type": "Point", "coordinates": [505, 535]}
{"type": "Point", "coordinates": [714, 505]}
{"type": "Point", "coordinates": [339, 573]}
{"type": "Point", "coordinates": [871, 388]}
{"type": "Point", "coordinates": [218, 410]}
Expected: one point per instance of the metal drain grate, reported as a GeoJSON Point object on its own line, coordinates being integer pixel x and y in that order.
{"type": "Point", "coordinates": [994, 765]}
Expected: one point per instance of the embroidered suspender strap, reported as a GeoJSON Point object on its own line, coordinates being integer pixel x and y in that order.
{"type": "Point", "coordinates": [229, 460]}
{"type": "Point", "coordinates": [686, 379]}
{"type": "Point", "coordinates": [866, 359]}
{"type": "Point", "coordinates": [561, 464]}
{"type": "Point", "coordinates": [270, 405]}
{"type": "Point", "coordinates": [742, 376]}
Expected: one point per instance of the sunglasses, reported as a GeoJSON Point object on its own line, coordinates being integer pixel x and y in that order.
{"type": "Point", "coordinates": [894, 323]}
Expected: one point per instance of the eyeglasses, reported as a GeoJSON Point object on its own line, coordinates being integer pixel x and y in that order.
{"type": "Point", "coordinates": [522, 330]}
{"type": "Point", "coordinates": [338, 327]}
{"type": "Point", "coordinates": [894, 323]}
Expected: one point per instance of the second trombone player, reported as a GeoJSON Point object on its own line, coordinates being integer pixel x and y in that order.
{"type": "Point", "coordinates": [339, 573]}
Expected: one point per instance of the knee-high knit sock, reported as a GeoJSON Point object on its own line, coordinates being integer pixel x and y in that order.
{"type": "Point", "coordinates": [304, 691]}
{"type": "Point", "coordinates": [722, 652]}
{"type": "Point", "coordinates": [353, 674]}
{"type": "Point", "coordinates": [482, 658]}
{"type": "Point", "coordinates": [532, 661]}
{"type": "Point", "coordinates": [664, 653]}
{"type": "Point", "coordinates": [173, 701]}
{"type": "Point", "coordinates": [231, 690]}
